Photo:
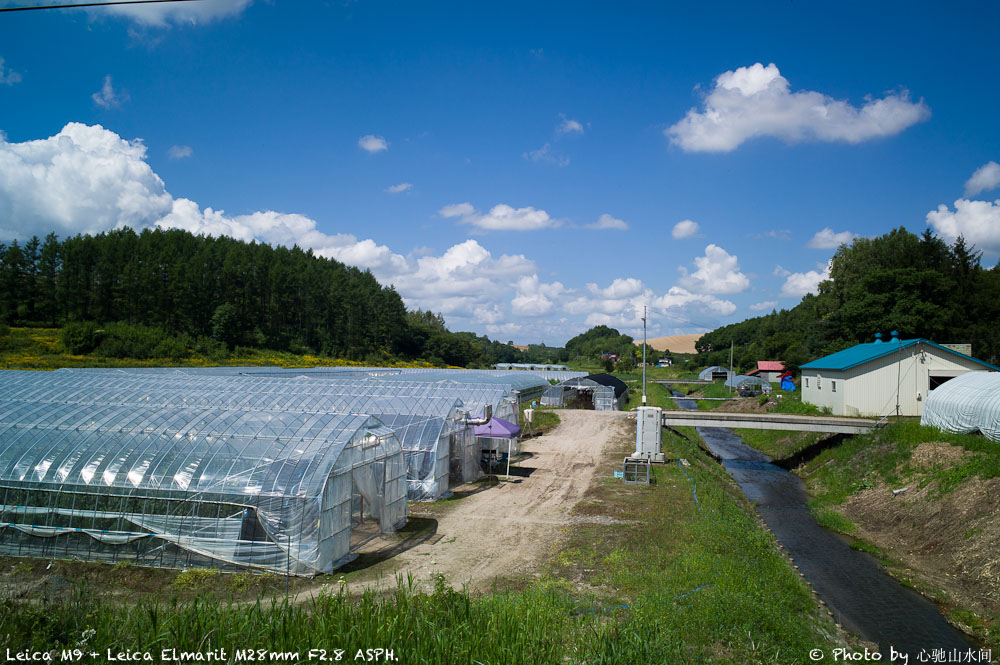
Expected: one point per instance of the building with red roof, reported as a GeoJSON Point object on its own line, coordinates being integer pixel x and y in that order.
{"type": "Point", "coordinates": [771, 370]}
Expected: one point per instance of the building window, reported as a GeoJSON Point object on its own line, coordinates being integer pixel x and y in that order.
{"type": "Point", "coordinates": [833, 386]}
{"type": "Point", "coordinates": [819, 383]}
{"type": "Point", "coordinates": [805, 382]}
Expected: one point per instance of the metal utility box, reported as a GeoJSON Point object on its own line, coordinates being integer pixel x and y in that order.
{"type": "Point", "coordinates": [636, 471]}
{"type": "Point", "coordinates": [649, 433]}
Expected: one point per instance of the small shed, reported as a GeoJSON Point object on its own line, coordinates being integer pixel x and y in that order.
{"type": "Point", "coordinates": [871, 379]}
{"type": "Point", "coordinates": [769, 370]}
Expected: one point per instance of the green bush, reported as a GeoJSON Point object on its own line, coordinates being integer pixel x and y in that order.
{"type": "Point", "coordinates": [80, 337]}
{"type": "Point", "coordinates": [174, 347]}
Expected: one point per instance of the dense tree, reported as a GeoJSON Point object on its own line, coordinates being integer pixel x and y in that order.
{"type": "Point", "coordinates": [165, 289]}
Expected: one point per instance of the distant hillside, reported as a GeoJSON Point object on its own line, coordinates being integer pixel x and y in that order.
{"type": "Point", "coordinates": [673, 343]}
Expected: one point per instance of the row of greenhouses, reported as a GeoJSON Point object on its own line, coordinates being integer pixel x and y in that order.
{"type": "Point", "coordinates": [285, 470]}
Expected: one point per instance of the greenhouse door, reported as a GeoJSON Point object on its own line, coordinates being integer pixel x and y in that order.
{"type": "Point", "coordinates": [366, 502]}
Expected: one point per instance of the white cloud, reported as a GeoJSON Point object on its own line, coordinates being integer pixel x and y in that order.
{"type": "Point", "coordinates": [535, 298]}
{"type": "Point", "coordinates": [372, 143]}
{"type": "Point", "coordinates": [756, 101]}
{"type": "Point", "coordinates": [764, 306]}
{"type": "Point", "coordinates": [569, 126]}
{"type": "Point", "coordinates": [781, 272]}
{"type": "Point", "coordinates": [457, 210]}
{"type": "Point", "coordinates": [685, 229]}
{"type": "Point", "coordinates": [717, 272]}
{"type": "Point", "coordinates": [85, 179]}
{"type": "Point", "coordinates": [798, 284]}
{"type": "Point", "coordinates": [501, 217]}
{"type": "Point", "coordinates": [545, 154]}
{"type": "Point", "coordinates": [827, 239]}
{"type": "Point", "coordinates": [179, 151]}
{"type": "Point", "coordinates": [190, 13]}
{"type": "Point", "coordinates": [401, 187]}
{"type": "Point", "coordinates": [606, 221]}
{"type": "Point", "coordinates": [985, 178]}
{"type": "Point", "coordinates": [107, 97]}
{"type": "Point", "coordinates": [977, 221]}
{"type": "Point", "coordinates": [7, 76]}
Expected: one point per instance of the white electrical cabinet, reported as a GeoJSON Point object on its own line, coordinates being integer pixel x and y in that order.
{"type": "Point", "coordinates": [649, 433]}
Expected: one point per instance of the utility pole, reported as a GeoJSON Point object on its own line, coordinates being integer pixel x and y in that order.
{"type": "Point", "coordinates": [732, 375]}
{"type": "Point", "coordinates": [644, 355]}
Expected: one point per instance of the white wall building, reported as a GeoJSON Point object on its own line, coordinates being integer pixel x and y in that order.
{"type": "Point", "coordinates": [871, 379]}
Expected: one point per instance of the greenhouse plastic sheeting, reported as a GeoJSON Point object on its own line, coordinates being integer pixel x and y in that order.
{"type": "Point", "coordinates": [248, 488]}
{"type": "Point", "coordinates": [292, 397]}
{"type": "Point", "coordinates": [966, 403]}
{"type": "Point", "coordinates": [742, 379]}
{"type": "Point", "coordinates": [603, 397]}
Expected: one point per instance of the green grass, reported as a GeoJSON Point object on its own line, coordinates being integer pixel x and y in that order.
{"type": "Point", "coordinates": [830, 519]}
{"type": "Point", "coordinates": [691, 598]}
{"type": "Point", "coordinates": [777, 444]}
{"type": "Point", "coordinates": [884, 455]}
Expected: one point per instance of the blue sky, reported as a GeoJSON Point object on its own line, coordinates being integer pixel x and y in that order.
{"type": "Point", "coordinates": [528, 172]}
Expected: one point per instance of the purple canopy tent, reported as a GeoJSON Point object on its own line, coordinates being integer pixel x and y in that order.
{"type": "Point", "coordinates": [498, 428]}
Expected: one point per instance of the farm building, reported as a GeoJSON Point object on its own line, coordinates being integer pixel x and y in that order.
{"type": "Point", "coordinates": [769, 370]}
{"type": "Point", "coordinates": [871, 379]}
{"type": "Point", "coordinates": [714, 373]}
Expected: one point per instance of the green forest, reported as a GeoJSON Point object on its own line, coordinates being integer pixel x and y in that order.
{"type": "Point", "coordinates": [168, 293]}
{"type": "Point", "coordinates": [917, 285]}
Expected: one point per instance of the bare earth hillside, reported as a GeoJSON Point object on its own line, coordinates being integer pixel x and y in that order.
{"type": "Point", "coordinates": [673, 343]}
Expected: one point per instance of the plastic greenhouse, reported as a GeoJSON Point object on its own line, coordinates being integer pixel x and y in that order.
{"type": "Point", "coordinates": [714, 373]}
{"type": "Point", "coordinates": [965, 404]}
{"type": "Point", "coordinates": [741, 380]}
{"type": "Point", "coordinates": [602, 397]}
{"type": "Point", "coordinates": [441, 447]}
{"type": "Point", "coordinates": [183, 486]}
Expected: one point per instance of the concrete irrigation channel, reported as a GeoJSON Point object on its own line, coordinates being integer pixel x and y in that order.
{"type": "Point", "coordinates": [860, 594]}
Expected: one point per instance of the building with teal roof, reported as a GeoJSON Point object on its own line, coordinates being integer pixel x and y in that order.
{"type": "Point", "coordinates": [884, 377]}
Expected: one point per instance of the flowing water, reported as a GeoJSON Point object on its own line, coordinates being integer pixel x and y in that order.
{"type": "Point", "coordinates": [861, 595]}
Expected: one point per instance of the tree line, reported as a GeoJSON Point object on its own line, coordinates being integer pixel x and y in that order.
{"type": "Point", "coordinates": [164, 292]}
{"type": "Point", "coordinates": [917, 285]}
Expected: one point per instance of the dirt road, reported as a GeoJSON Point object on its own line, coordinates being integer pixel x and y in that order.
{"type": "Point", "coordinates": [507, 529]}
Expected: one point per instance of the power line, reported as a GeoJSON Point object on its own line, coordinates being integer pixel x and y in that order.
{"type": "Point", "coordinates": [89, 4]}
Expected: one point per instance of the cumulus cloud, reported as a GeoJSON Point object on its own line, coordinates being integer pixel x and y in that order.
{"type": "Point", "coordinates": [764, 306]}
{"type": "Point", "coordinates": [798, 284]}
{"type": "Point", "coordinates": [179, 151]}
{"type": "Point", "coordinates": [545, 154]}
{"type": "Point", "coordinates": [184, 13]}
{"type": "Point", "coordinates": [985, 178]}
{"type": "Point", "coordinates": [756, 101]}
{"type": "Point", "coordinates": [501, 217]}
{"type": "Point", "coordinates": [716, 272]}
{"type": "Point", "coordinates": [535, 298]}
{"type": "Point", "coordinates": [400, 188]}
{"type": "Point", "coordinates": [781, 272]}
{"type": "Point", "coordinates": [107, 97]}
{"type": "Point", "coordinates": [569, 126]}
{"type": "Point", "coordinates": [85, 179]}
{"type": "Point", "coordinates": [621, 303]}
{"type": "Point", "coordinates": [827, 239]}
{"type": "Point", "coordinates": [606, 221]}
{"type": "Point", "coordinates": [774, 234]}
{"type": "Point", "coordinates": [685, 229]}
{"type": "Point", "coordinates": [977, 221]}
{"type": "Point", "coordinates": [8, 76]}
{"type": "Point", "coordinates": [372, 143]}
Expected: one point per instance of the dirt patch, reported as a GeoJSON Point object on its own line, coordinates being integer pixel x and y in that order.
{"type": "Point", "coordinates": [506, 530]}
{"type": "Point", "coordinates": [949, 543]}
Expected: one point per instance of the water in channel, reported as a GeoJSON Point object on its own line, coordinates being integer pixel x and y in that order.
{"type": "Point", "coordinates": [862, 597]}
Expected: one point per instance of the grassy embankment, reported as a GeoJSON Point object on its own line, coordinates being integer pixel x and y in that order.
{"type": "Point", "coordinates": [679, 571]}
{"type": "Point", "coordinates": [39, 348]}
